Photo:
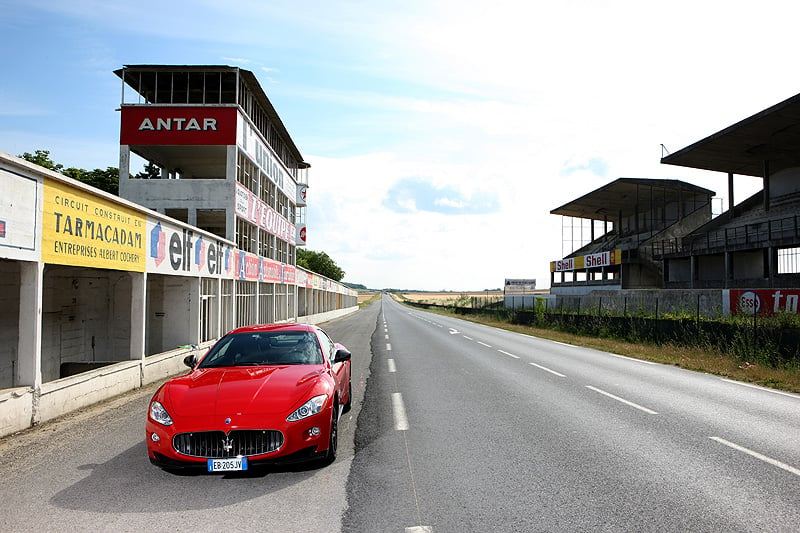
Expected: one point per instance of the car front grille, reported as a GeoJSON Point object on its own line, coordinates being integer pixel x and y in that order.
{"type": "Point", "coordinates": [219, 445]}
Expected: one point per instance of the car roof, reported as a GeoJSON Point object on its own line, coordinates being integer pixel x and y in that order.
{"type": "Point", "coordinates": [286, 326]}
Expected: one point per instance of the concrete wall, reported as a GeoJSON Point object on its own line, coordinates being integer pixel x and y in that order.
{"type": "Point", "coordinates": [708, 302]}
{"type": "Point", "coordinates": [22, 407]}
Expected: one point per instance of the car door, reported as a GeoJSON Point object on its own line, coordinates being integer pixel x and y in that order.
{"type": "Point", "coordinates": [339, 370]}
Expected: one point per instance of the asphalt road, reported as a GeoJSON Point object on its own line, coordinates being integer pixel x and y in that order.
{"type": "Point", "coordinates": [89, 472]}
{"type": "Point", "coordinates": [469, 428]}
{"type": "Point", "coordinates": [455, 427]}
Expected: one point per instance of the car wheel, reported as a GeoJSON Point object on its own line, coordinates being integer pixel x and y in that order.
{"type": "Point", "coordinates": [333, 442]}
{"type": "Point", "coordinates": [349, 398]}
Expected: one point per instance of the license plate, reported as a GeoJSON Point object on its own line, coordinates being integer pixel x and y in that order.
{"type": "Point", "coordinates": [227, 465]}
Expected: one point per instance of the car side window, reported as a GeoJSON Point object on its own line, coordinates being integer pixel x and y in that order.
{"type": "Point", "coordinates": [327, 344]}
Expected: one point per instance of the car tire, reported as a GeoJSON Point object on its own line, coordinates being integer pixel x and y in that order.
{"type": "Point", "coordinates": [349, 398]}
{"type": "Point", "coordinates": [333, 440]}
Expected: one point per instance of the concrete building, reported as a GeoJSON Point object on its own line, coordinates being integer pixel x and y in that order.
{"type": "Point", "coordinates": [618, 222]}
{"type": "Point", "coordinates": [100, 294]}
{"type": "Point", "coordinates": [745, 261]}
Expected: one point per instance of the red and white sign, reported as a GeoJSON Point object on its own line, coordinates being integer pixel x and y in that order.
{"type": "Point", "coordinates": [186, 125]}
{"type": "Point", "coordinates": [764, 301]}
{"type": "Point", "coordinates": [253, 209]}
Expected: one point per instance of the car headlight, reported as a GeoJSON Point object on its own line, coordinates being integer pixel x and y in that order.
{"type": "Point", "coordinates": [311, 407]}
{"type": "Point", "coordinates": [159, 414]}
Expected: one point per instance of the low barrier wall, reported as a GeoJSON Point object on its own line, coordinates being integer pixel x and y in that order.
{"type": "Point", "coordinates": [24, 407]}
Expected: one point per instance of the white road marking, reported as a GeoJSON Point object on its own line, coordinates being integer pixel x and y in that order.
{"type": "Point", "coordinates": [387, 336]}
{"type": "Point", "coordinates": [626, 402]}
{"type": "Point", "coordinates": [392, 368]}
{"type": "Point", "coordinates": [468, 338]}
{"type": "Point", "coordinates": [419, 529]}
{"type": "Point", "coordinates": [547, 370]}
{"type": "Point", "coordinates": [509, 354]}
{"type": "Point", "coordinates": [399, 410]}
{"type": "Point", "coordinates": [633, 359]}
{"type": "Point", "coordinates": [453, 331]}
{"type": "Point", "coordinates": [565, 344]}
{"type": "Point", "coordinates": [388, 347]}
{"type": "Point", "coordinates": [757, 455]}
{"type": "Point", "coordinates": [484, 344]}
{"type": "Point", "coordinates": [773, 391]}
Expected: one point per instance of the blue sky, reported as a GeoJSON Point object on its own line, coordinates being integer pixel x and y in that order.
{"type": "Point", "coordinates": [441, 133]}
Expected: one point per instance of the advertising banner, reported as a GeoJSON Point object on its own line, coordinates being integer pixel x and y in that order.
{"type": "Point", "coordinates": [80, 229]}
{"type": "Point", "coordinates": [183, 125]}
{"type": "Point", "coordinates": [519, 286]}
{"type": "Point", "coordinates": [19, 205]}
{"type": "Point", "coordinates": [598, 260]}
{"type": "Point", "coordinates": [764, 302]}
{"type": "Point", "coordinates": [250, 141]}
{"type": "Point", "coordinates": [253, 209]}
{"type": "Point", "coordinates": [302, 188]}
{"type": "Point", "coordinates": [176, 250]}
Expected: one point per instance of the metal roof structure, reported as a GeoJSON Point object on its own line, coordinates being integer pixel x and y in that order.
{"type": "Point", "coordinates": [622, 196]}
{"type": "Point", "coordinates": [772, 136]}
{"type": "Point", "coordinates": [129, 75]}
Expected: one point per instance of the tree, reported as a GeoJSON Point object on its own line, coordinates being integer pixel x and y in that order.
{"type": "Point", "coordinates": [319, 262]}
{"type": "Point", "coordinates": [105, 180]}
{"type": "Point", "coordinates": [151, 172]}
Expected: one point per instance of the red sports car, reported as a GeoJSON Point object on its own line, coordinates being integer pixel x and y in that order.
{"type": "Point", "coordinates": [262, 394]}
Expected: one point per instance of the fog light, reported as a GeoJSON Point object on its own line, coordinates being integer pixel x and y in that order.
{"type": "Point", "coordinates": [155, 438]}
{"type": "Point", "coordinates": [314, 432]}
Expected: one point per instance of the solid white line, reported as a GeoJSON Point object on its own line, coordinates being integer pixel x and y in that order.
{"type": "Point", "coordinates": [399, 409]}
{"type": "Point", "coordinates": [547, 370]}
{"type": "Point", "coordinates": [565, 344]}
{"type": "Point", "coordinates": [392, 368]}
{"type": "Point", "coordinates": [388, 347]}
{"type": "Point", "coordinates": [633, 359]}
{"type": "Point", "coordinates": [626, 402]}
{"type": "Point", "coordinates": [484, 344]}
{"type": "Point", "coordinates": [509, 354]}
{"type": "Point", "coordinates": [757, 455]}
{"type": "Point", "coordinates": [773, 391]}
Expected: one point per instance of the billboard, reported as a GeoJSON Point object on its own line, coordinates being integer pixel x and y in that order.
{"type": "Point", "coordinates": [581, 262]}
{"type": "Point", "coordinates": [176, 250]}
{"type": "Point", "coordinates": [19, 206]}
{"type": "Point", "coordinates": [519, 286]}
{"type": "Point", "coordinates": [81, 229]}
{"type": "Point", "coordinates": [763, 302]}
{"type": "Point", "coordinates": [253, 209]}
{"type": "Point", "coordinates": [178, 125]}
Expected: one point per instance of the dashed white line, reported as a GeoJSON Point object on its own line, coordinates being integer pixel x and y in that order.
{"type": "Point", "coordinates": [484, 344]}
{"type": "Point", "coordinates": [547, 370]}
{"type": "Point", "coordinates": [388, 347]}
{"type": "Point", "coordinates": [508, 354]}
{"type": "Point", "coordinates": [392, 367]}
{"type": "Point", "coordinates": [399, 410]}
{"type": "Point", "coordinates": [626, 402]}
{"type": "Point", "coordinates": [468, 338]}
{"type": "Point", "coordinates": [757, 455]}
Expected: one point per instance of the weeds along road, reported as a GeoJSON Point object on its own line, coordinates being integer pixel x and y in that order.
{"type": "Point", "coordinates": [455, 427]}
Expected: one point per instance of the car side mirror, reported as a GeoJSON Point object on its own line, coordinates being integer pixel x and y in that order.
{"type": "Point", "coordinates": [190, 361]}
{"type": "Point", "coordinates": [342, 355]}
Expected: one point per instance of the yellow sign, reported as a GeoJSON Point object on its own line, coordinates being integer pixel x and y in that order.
{"type": "Point", "coordinates": [81, 229]}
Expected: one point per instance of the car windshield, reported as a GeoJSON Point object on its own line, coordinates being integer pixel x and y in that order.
{"type": "Point", "coordinates": [265, 348]}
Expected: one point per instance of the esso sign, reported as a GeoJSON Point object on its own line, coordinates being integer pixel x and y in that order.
{"type": "Point", "coordinates": [749, 303]}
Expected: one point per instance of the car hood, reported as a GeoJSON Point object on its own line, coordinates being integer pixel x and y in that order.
{"type": "Point", "coordinates": [242, 390]}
